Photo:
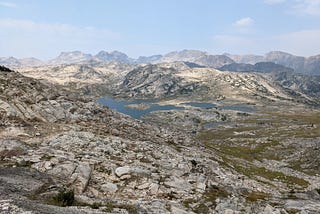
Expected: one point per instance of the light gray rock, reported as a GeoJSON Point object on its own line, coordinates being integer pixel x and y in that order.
{"type": "Point", "coordinates": [109, 187]}
{"type": "Point", "coordinates": [178, 184]}
{"type": "Point", "coordinates": [177, 210]}
{"type": "Point", "coordinates": [81, 177]}
{"type": "Point", "coordinates": [228, 211]}
{"type": "Point", "coordinates": [120, 171]}
{"type": "Point", "coordinates": [154, 188]}
{"type": "Point", "coordinates": [143, 186]}
{"type": "Point", "coordinates": [140, 172]}
{"type": "Point", "coordinates": [63, 170]}
{"type": "Point", "coordinates": [268, 210]}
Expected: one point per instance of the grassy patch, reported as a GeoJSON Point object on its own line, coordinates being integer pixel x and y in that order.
{"type": "Point", "coordinates": [250, 151]}
{"type": "Point", "coordinates": [201, 208]}
{"type": "Point", "coordinates": [214, 192]}
{"type": "Point", "coordinates": [63, 198]}
{"type": "Point", "coordinates": [256, 196]}
{"type": "Point", "coordinates": [210, 195]}
{"type": "Point", "coordinates": [254, 171]}
{"type": "Point", "coordinates": [293, 211]}
{"type": "Point", "coordinates": [297, 165]}
{"type": "Point", "coordinates": [46, 157]}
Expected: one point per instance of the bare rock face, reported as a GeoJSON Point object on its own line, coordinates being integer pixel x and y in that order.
{"type": "Point", "coordinates": [157, 81]}
{"type": "Point", "coordinates": [80, 177]}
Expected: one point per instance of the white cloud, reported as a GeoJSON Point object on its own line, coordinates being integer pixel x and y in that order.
{"type": "Point", "coordinates": [274, 1]}
{"type": "Point", "coordinates": [306, 7]}
{"type": "Point", "coordinates": [8, 4]}
{"type": "Point", "coordinates": [244, 22]}
{"type": "Point", "coordinates": [303, 43]}
{"type": "Point", "coordinates": [28, 38]}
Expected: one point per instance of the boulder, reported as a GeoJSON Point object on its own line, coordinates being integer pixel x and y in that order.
{"type": "Point", "coordinates": [109, 187]}
{"type": "Point", "coordinates": [80, 178]}
{"type": "Point", "coordinates": [120, 171]}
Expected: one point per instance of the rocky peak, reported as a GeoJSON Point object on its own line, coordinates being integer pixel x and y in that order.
{"type": "Point", "coordinates": [71, 57]}
{"type": "Point", "coordinates": [286, 59]}
{"type": "Point", "coordinates": [112, 56]}
{"type": "Point", "coordinates": [184, 55]}
{"type": "Point", "coordinates": [198, 57]}
{"type": "Point", "coordinates": [9, 61]}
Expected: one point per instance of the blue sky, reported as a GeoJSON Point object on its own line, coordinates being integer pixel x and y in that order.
{"type": "Point", "coordinates": [44, 28]}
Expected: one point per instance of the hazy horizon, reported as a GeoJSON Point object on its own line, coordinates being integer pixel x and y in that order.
{"type": "Point", "coordinates": [44, 29]}
{"type": "Point", "coordinates": [48, 59]}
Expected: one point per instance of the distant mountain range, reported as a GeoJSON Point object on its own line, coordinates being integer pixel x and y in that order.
{"type": "Point", "coordinates": [262, 67]}
{"type": "Point", "coordinates": [304, 65]}
{"type": "Point", "coordinates": [254, 63]}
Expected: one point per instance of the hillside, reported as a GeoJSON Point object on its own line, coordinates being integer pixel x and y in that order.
{"type": "Point", "coordinates": [57, 138]}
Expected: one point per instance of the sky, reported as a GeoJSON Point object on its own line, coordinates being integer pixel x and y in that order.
{"type": "Point", "coordinates": [44, 28]}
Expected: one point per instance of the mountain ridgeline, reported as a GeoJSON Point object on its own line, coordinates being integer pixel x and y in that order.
{"type": "Point", "coordinates": [298, 64]}
{"type": "Point", "coordinates": [216, 134]}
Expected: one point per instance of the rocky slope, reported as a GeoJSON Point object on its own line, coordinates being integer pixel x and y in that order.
{"type": "Point", "coordinates": [179, 79]}
{"type": "Point", "coordinates": [51, 139]}
{"type": "Point", "coordinates": [157, 81]}
{"type": "Point", "coordinates": [309, 85]}
{"type": "Point", "coordinates": [92, 77]}
{"type": "Point", "coordinates": [114, 56]}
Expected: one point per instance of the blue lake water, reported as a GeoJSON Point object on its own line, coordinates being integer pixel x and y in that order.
{"type": "Point", "coordinates": [201, 105]}
{"type": "Point", "coordinates": [121, 106]}
{"type": "Point", "coordinates": [239, 108]}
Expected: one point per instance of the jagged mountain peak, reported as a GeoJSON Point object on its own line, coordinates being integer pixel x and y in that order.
{"type": "Point", "coordinates": [112, 56]}
{"type": "Point", "coordinates": [70, 57]}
